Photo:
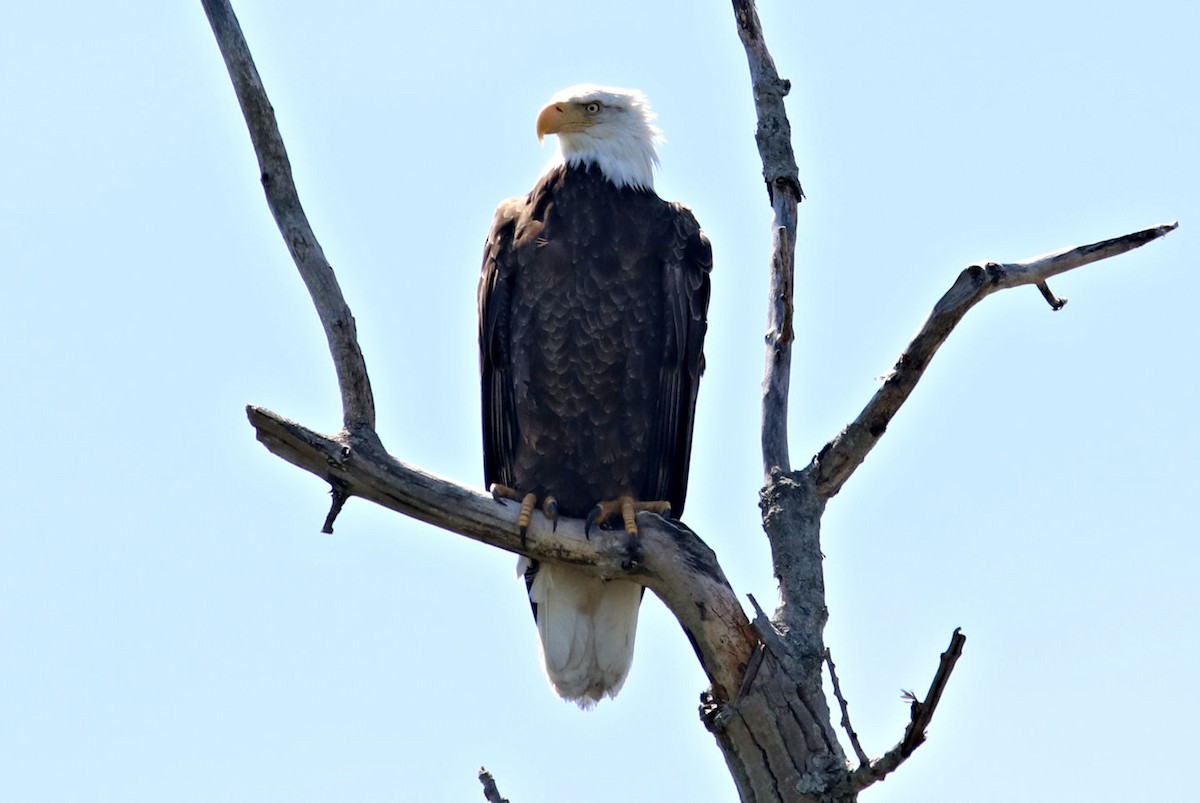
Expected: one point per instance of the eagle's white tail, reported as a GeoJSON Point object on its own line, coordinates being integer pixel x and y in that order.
{"type": "Point", "coordinates": [586, 627]}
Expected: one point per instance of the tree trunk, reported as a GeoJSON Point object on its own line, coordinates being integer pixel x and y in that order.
{"type": "Point", "coordinates": [777, 734]}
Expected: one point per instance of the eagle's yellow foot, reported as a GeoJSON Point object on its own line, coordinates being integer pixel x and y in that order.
{"type": "Point", "coordinates": [627, 507]}
{"type": "Point", "coordinates": [549, 506]}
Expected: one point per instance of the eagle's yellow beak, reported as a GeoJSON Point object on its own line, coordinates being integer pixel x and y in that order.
{"type": "Point", "coordinates": [559, 117]}
{"type": "Point", "coordinates": [550, 120]}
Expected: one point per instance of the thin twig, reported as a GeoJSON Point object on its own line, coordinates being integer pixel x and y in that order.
{"type": "Point", "coordinates": [489, 787]}
{"type": "Point", "coordinates": [774, 137]}
{"type": "Point", "coordinates": [339, 496]}
{"type": "Point", "coordinates": [922, 712]}
{"type": "Point", "coordinates": [1054, 301]}
{"type": "Point", "coordinates": [358, 403]}
{"type": "Point", "coordinates": [841, 456]}
{"type": "Point", "coordinates": [921, 715]}
{"type": "Point", "coordinates": [863, 758]}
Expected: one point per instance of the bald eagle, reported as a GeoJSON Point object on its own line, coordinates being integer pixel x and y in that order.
{"type": "Point", "coordinates": [592, 313]}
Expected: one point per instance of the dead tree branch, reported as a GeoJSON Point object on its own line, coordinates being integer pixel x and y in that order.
{"type": "Point", "coordinates": [845, 706]}
{"type": "Point", "coordinates": [841, 456]}
{"type": "Point", "coordinates": [922, 714]}
{"type": "Point", "coordinates": [774, 137]}
{"type": "Point", "coordinates": [666, 557]}
{"type": "Point", "coordinates": [358, 403]}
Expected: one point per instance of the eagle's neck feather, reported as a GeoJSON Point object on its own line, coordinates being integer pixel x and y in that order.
{"type": "Point", "coordinates": [626, 161]}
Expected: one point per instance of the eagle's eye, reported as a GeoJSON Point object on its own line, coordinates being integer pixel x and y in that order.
{"type": "Point", "coordinates": [592, 108]}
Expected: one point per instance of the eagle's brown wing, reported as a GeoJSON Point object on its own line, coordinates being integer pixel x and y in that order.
{"type": "Point", "coordinates": [495, 363]}
{"type": "Point", "coordinates": [687, 264]}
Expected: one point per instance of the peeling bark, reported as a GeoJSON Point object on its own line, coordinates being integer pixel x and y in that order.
{"type": "Point", "coordinates": [776, 735]}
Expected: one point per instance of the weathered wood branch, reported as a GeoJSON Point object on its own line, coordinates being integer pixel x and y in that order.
{"type": "Point", "coordinates": [774, 138]}
{"type": "Point", "coordinates": [921, 715]}
{"type": "Point", "coordinates": [666, 557]}
{"type": "Point", "coordinates": [358, 403]}
{"type": "Point", "coordinates": [834, 464]}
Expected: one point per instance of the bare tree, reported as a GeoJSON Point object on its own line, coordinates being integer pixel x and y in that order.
{"type": "Point", "coordinates": [765, 706]}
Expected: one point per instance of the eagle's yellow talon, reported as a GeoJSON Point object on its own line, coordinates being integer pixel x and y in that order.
{"type": "Point", "coordinates": [628, 508]}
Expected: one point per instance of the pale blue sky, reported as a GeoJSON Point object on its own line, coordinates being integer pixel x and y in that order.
{"type": "Point", "coordinates": [174, 627]}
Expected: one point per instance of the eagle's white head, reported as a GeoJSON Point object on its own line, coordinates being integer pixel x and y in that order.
{"type": "Point", "coordinates": [608, 127]}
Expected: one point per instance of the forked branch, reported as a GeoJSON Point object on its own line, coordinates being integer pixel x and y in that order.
{"type": "Point", "coordinates": [921, 715]}
{"type": "Point", "coordinates": [841, 456]}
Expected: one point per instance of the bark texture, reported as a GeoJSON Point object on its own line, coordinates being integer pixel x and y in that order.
{"type": "Point", "coordinates": [774, 138]}
{"type": "Point", "coordinates": [776, 735]}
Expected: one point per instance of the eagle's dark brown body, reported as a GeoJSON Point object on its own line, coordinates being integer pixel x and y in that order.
{"type": "Point", "coordinates": [592, 310]}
